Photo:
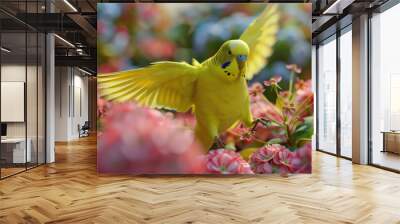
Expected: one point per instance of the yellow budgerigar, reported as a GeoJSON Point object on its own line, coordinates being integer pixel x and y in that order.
{"type": "Point", "coordinates": [216, 88]}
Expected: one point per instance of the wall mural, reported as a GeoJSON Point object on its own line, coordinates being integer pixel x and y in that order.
{"type": "Point", "coordinates": [204, 88]}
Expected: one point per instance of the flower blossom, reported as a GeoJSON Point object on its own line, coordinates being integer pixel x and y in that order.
{"type": "Point", "coordinates": [293, 68]}
{"type": "Point", "coordinates": [271, 159]}
{"type": "Point", "coordinates": [224, 161]}
{"type": "Point", "coordinates": [138, 140]}
{"type": "Point", "coordinates": [273, 81]}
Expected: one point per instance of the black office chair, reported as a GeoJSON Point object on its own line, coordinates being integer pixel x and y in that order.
{"type": "Point", "coordinates": [84, 130]}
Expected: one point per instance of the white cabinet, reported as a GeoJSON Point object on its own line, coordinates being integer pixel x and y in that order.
{"type": "Point", "coordinates": [17, 145]}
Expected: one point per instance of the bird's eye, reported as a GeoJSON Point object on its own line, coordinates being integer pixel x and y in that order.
{"type": "Point", "coordinates": [229, 52]}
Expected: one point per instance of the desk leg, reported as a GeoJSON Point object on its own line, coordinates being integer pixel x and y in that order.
{"type": "Point", "coordinates": [384, 143]}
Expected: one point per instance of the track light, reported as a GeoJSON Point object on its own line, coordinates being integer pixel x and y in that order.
{"type": "Point", "coordinates": [337, 7]}
{"type": "Point", "coordinates": [5, 50]}
{"type": "Point", "coordinates": [329, 9]}
{"type": "Point", "coordinates": [70, 5]}
{"type": "Point", "coordinates": [84, 71]}
{"type": "Point", "coordinates": [65, 41]}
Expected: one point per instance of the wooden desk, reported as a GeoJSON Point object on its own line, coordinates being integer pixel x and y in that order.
{"type": "Point", "coordinates": [391, 141]}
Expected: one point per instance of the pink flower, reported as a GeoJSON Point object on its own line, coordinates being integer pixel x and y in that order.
{"type": "Point", "coordinates": [304, 96]}
{"type": "Point", "coordinates": [267, 110]}
{"type": "Point", "coordinates": [102, 107]}
{"type": "Point", "coordinates": [242, 133]}
{"type": "Point", "coordinates": [137, 140]}
{"type": "Point", "coordinates": [263, 168]}
{"type": "Point", "coordinates": [273, 81]}
{"type": "Point", "coordinates": [157, 48]}
{"type": "Point", "coordinates": [293, 68]}
{"type": "Point", "coordinates": [289, 109]}
{"type": "Point", "coordinates": [256, 90]}
{"type": "Point", "coordinates": [271, 159]}
{"type": "Point", "coordinates": [239, 136]}
{"type": "Point", "coordinates": [302, 159]}
{"type": "Point", "coordinates": [223, 161]}
{"type": "Point", "coordinates": [248, 137]}
{"type": "Point", "coordinates": [148, 12]}
{"type": "Point", "coordinates": [187, 119]}
{"type": "Point", "coordinates": [285, 157]}
{"type": "Point", "coordinates": [109, 67]}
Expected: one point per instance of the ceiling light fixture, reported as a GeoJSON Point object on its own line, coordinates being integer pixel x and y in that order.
{"type": "Point", "coordinates": [333, 6]}
{"type": "Point", "coordinates": [65, 41]}
{"type": "Point", "coordinates": [5, 50]}
{"type": "Point", "coordinates": [70, 5]}
{"type": "Point", "coordinates": [337, 7]}
{"type": "Point", "coordinates": [84, 71]}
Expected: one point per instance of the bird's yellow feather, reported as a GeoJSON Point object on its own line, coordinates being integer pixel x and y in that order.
{"type": "Point", "coordinates": [160, 85]}
{"type": "Point", "coordinates": [260, 36]}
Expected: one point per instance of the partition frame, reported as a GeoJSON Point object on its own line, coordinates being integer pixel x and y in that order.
{"type": "Point", "coordinates": [44, 95]}
{"type": "Point", "coordinates": [382, 8]}
{"type": "Point", "coordinates": [339, 32]}
{"type": "Point", "coordinates": [387, 5]}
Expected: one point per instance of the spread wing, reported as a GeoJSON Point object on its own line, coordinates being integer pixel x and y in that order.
{"type": "Point", "coordinates": [261, 36]}
{"type": "Point", "coordinates": [160, 85]}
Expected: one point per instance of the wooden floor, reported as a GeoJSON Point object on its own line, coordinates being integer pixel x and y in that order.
{"type": "Point", "coordinates": [387, 159]}
{"type": "Point", "coordinates": [70, 191]}
{"type": "Point", "coordinates": [10, 171]}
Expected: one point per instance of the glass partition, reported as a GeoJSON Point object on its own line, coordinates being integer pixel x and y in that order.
{"type": "Point", "coordinates": [385, 89]}
{"type": "Point", "coordinates": [31, 97]}
{"type": "Point", "coordinates": [346, 93]}
{"type": "Point", "coordinates": [41, 96]}
{"type": "Point", "coordinates": [327, 96]}
{"type": "Point", "coordinates": [22, 101]}
{"type": "Point", "coordinates": [14, 153]}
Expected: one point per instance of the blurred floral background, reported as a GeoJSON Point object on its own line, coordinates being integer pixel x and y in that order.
{"type": "Point", "coordinates": [134, 35]}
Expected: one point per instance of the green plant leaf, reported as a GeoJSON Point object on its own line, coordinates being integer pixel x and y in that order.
{"type": "Point", "coordinates": [230, 146]}
{"type": "Point", "coordinates": [304, 131]}
{"type": "Point", "coordinates": [276, 141]}
{"type": "Point", "coordinates": [245, 153]}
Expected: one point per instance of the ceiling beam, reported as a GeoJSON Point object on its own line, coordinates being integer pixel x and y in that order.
{"type": "Point", "coordinates": [78, 61]}
{"type": "Point", "coordinates": [86, 27]}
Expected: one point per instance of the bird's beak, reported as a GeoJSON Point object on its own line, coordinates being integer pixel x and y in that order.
{"type": "Point", "coordinates": [241, 59]}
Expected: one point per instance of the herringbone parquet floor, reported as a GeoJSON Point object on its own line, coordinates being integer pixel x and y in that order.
{"type": "Point", "coordinates": [70, 191]}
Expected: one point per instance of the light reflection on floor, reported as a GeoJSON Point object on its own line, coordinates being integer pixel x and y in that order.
{"type": "Point", "coordinates": [386, 159]}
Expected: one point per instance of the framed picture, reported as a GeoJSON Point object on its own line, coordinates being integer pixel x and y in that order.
{"type": "Point", "coordinates": [204, 88]}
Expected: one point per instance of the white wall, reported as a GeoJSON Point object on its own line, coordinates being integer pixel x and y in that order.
{"type": "Point", "coordinates": [16, 73]}
{"type": "Point", "coordinates": [71, 94]}
{"type": "Point", "coordinates": [33, 126]}
{"type": "Point", "coordinates": [62, 81]}
{"type": "Point", "coordinates": [80, 109]}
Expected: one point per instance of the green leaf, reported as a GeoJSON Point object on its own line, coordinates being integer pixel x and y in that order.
{"type": "Point", "coordinates": [279, 102]}
{"type": "Point", "coordinates": [270, 94]}
{"type": "Point", "coordinates": [276, 141]}
{"type": "Point", "coordinates": [245, 153]}
{"type": "Point", "coordinates": [230, 146]}
{"type": "Point", "coordinates": [304, 131]}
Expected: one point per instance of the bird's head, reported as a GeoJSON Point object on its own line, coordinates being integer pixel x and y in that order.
{"type": "Point", "coordinates": [239, 50]}
{"type": "Point", "coordinates": [232, 58]}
